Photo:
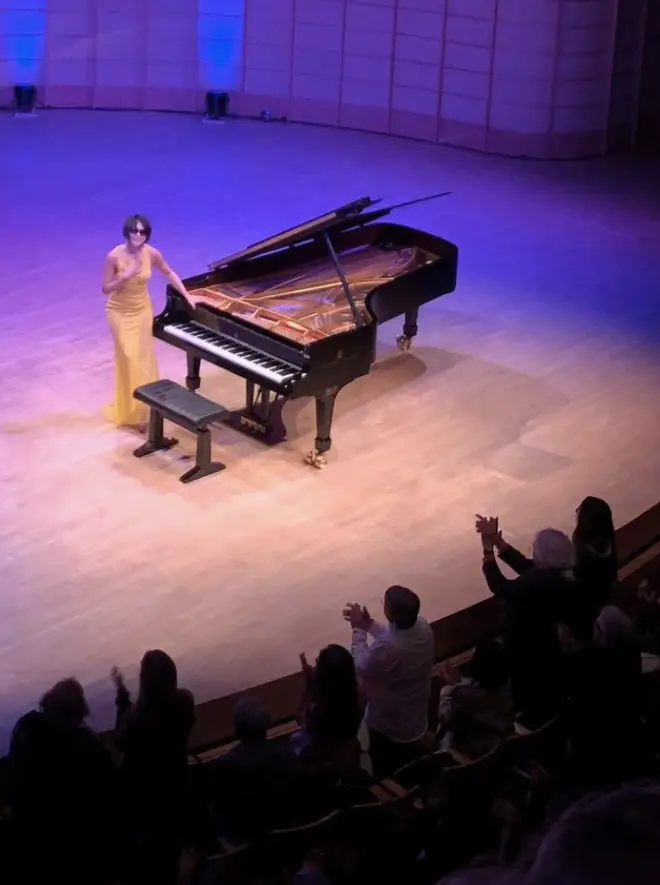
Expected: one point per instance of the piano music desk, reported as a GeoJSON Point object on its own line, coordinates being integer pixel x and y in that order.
{"type": "Point", "coordinates": [167, 399]}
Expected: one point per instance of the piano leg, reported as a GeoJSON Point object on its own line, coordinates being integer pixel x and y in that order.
{"type": "Point", "coordinates": [262, 416]}
{"type": "Point", "coordinates": [409, 329]}
{"type": "Point", "coordinates": [325, 407]}
{"type": "Point", "coordinates": [193, 364]}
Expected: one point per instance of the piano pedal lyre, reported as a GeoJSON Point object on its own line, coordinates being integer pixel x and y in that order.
{"type": "Point", "coordinates": [261, 417]}
{"type": "Point", "coordinates": [404, 342]}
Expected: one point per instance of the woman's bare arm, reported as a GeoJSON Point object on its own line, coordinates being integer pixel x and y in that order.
{"type": "Point", "coordinates": [109, 282]}
{"type": "Point", "coordinates": [160, 264]}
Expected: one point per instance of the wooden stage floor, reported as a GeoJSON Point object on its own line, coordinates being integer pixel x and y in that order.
{"type": "Point", "coordinates": [534, 384]}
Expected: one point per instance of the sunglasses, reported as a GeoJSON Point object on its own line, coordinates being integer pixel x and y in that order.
{"type": "Point", "coordinates": [138, 230]}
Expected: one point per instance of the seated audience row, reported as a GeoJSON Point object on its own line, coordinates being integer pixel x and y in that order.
{"type": "Point", "coordinates": [567, 647]}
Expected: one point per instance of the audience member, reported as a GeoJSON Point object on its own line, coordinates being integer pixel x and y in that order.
{"type": "Point", "coordinates": [614, 629]}
{"type": "Point", "coordinates": [331, 713]}
{"type": "Point", "coordinates": [257, 785]}
{"type": "Point", "coordinates": [597, 564]}
{"type": "Point", "coordinates": [531, 603]}
{"type": "Point", "coordinates": [475, 710]}
{"type": "Point", "coordinates": [64, 802]}
{"type": "Point", "coordinates": [152, 736]}
{"type": "Point", "coordinates": [604, 839]}
{"type": "Point", "coordinates": [646, 619]}
{"type": "Point", "coordinates": [602, 686]}
{"type": "Point", "coordinates": [645, 613]}
{"type": "Point", "coordinates": [571, 645]}
{"type": "Point", "coordinates": [395, 672]}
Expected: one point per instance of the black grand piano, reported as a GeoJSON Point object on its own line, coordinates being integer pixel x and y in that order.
{"type": "Point", "coordinates": [297, 314]}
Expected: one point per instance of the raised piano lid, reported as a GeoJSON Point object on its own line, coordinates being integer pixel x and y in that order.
{"type": "Point", "coordinates": [305, 307]}
{"type": "Point", "coordinates": [346, 213]}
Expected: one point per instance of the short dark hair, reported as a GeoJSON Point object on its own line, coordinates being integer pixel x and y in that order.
{"type": "Point", "coordinates": [402, 606]}
{"type": "Point", "coordinates": [251, 721]}
{"type": "Point", "coordinates": [132, 221]}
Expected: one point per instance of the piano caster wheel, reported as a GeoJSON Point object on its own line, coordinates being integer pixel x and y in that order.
{"type": "Point", "coordinates": [316, 459]}
{"type": "Point", "coordinates": [403, 342]}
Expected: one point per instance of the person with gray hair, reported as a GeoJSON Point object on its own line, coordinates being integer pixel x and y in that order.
{"type": "Point", "coordinates": [544, 587]}
{"type": "Point", "coordinates": [551, 549]}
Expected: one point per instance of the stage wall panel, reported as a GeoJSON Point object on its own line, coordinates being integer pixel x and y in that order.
{"type": "Point", "coordinates": [540, 78]}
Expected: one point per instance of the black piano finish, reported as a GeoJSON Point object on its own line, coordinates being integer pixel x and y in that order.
{"type": "Point", "coordinates": [342, 245]}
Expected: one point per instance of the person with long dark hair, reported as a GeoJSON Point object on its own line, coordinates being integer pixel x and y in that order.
{"type": "Point", "coordinates": [596, 557]}
{"type": "Point", "coordinates": [152, 736]}
{"type": "Point", "coordinates": [331, 715]}
{"type": "Point", "coordinates": [334, 709]}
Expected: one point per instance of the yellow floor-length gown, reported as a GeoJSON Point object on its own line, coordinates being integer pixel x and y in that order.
{"type": "Point", "coordinates": [130, 316]}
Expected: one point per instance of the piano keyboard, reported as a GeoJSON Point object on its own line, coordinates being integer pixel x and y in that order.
{"type": "Point", "coordinates": [227, 349]}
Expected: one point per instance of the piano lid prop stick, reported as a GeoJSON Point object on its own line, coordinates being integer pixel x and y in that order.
{"type": "Point", "coordinates": [418, 200]}
{"type": "Point", "coordinates": [344, 281]}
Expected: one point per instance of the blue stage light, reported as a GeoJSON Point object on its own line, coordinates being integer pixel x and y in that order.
{"type": "Point", "coordinates": [216, 105]}
{"type": "Point", "coordinates": [25, 98]}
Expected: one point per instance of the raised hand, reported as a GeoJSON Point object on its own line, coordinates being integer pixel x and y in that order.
{"type": "Point", "coordinates": [487, 525]}
{"type": "Point", "coordinates": [357, 616]}
{"type": "Point", "coordinates": [489, 529]}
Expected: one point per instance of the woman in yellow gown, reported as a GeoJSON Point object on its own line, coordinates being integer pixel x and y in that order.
{"type": "Point", "coordinates": [130, 316]}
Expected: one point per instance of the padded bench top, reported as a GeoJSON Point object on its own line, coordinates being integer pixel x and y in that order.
{"type": "Point", "coordinates": [172, 399]}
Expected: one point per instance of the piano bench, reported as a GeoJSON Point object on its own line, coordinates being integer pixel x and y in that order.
{"type": "Point", "coordinates": [167, 399]}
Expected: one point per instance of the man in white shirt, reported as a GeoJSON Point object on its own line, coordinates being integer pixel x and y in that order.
{"type": "Point", "coordinates": [395, 672]}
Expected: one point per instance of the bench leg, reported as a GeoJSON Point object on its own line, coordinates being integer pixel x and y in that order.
{"type": "Point", "coordinates": [156, 441]}
{"type": "Point", "coordinates": [204, 466]}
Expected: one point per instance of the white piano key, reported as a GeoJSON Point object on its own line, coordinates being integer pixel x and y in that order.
{"type": "Point", "coordinates": [202, 339]}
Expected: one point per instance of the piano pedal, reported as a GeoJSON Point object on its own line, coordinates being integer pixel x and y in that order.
{"type": "Point", "coordinates": [403, 342]}
{"type": "Point", "coordinates": [316, 459]}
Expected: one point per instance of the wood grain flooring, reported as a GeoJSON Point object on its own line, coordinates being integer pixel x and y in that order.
{"type": "Point", "coordinates": [534, 384]}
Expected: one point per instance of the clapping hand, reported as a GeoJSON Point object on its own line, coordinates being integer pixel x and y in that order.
{"type": "Point", "coordinates": [357, 616]}
{"type": "Point", "coordinates": [117, 678]}
{"type": "Point", "coordinates": [447, 672]}
{"type": "Point", "coordinates": [489, 529]}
